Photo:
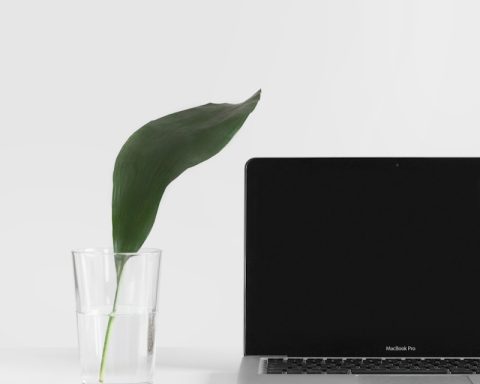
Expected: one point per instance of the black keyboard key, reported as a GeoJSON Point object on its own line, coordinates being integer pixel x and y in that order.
{"type": "Point", "coordinates": [461, 371]}
{"type": "Point", "coordinates": [337, 371]}
{"type": "Point", "coordinates": [275, 362]}
{"type": "Point", "coordinates": [295, 371]}
{"type": "Point", "coordinates": [333, 361]}
{"type": "Point", "coordinates": [372, 361]}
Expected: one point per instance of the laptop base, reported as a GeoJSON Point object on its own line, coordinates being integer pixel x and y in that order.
{"type": "Point", "coordinates": [250, 373]}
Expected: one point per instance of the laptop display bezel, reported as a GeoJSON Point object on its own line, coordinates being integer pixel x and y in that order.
{"type": "Point", "coordinates": [250, 348]}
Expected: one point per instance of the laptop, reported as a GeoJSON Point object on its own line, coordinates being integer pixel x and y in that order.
{"type": "Point", "coordinates": [362, 270]}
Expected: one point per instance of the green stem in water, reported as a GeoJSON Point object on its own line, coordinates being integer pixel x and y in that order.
{"type": "Point", "coordinates": [111, 319]}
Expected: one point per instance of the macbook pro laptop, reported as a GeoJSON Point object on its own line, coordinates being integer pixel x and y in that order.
{"type": "Point", "coordinates": [362, 270]}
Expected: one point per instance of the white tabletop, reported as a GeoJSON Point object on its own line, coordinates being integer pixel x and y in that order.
{"type": "Point", "coordinates": [174, 366]}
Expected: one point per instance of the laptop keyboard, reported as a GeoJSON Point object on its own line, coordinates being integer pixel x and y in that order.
{"type": "Point", "coordinates": [373, 366]}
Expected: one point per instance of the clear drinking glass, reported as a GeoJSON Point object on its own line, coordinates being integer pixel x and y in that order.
{"type": "Point", "coordinates": [116, 327]}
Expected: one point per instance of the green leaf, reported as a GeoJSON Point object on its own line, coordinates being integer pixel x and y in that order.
{"type": "Point", "coordinates": [158, 153]}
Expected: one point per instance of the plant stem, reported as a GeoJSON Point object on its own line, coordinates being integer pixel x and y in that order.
{"type": "Point", "coordinates": [111, 319]}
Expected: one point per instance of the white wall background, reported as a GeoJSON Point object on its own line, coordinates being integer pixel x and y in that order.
{"type": "Point", "coordinates": [339, 77]}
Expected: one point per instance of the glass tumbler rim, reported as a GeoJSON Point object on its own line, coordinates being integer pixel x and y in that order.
{"type": "Point", "coordinates": [108, 251]}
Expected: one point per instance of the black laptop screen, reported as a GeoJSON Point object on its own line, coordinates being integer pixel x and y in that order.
{"type": "Point", "coordinates": [363, 257]}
